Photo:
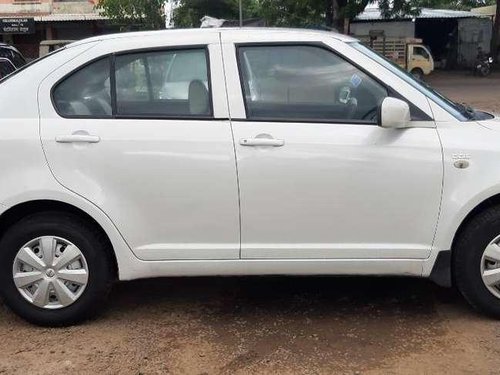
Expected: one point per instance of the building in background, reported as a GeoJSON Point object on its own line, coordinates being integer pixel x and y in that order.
{"type": "Point", "coordinates": [489, 11]}
{"type": "Point", "coordinates": [26, 23]}
{"type": "Point", "coordinates": [452, 36]}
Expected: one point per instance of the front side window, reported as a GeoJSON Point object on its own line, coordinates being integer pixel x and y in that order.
{"type": "Point", "coordinates": [164, 83]}
{"type": "Point", "coordinates": [86, 93]}
{"type": "Point", "coordinates": [301, 83]}
{"type": "Point", "coordinates": [419, 51]}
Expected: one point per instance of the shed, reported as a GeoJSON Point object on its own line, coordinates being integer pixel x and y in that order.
{"type": "Point", "coordinates": [453, 36]}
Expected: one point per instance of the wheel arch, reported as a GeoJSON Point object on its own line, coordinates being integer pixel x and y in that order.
{"type": "Point", "coordinates": [440, 267]}
{"type": "Point", "coordinates": [17, 212]}
{"type": "Point", "coordinates": [489, 202]}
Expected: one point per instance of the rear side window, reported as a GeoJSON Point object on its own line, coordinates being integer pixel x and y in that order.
{"type": "Point", "coordinates": [303, 83]}
{"type": "Point", "coordinates": [164, 84]}
{"type": "Point", "coordinates": [155, 84]}
{"type": "Point", "coordinates": [86, 93]}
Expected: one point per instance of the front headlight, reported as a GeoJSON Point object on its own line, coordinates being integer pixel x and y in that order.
{"type": "Point", "coordinates": [490, 60]}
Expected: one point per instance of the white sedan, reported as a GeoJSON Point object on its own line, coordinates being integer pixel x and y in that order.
{"type": "Point", "coordinates": [266, 152]}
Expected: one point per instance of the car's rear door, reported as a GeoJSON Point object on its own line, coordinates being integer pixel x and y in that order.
{"type": "Point", "coordinates": [152, 150]}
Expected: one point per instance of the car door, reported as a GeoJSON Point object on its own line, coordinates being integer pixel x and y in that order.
{"type": "Point", "coordinates": [318, 178]}
{"type": "Point", "coordinates": [419, 58]}
{"type": "Point", "coordinates": [153, 151]}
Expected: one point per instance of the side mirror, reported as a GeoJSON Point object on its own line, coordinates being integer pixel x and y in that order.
{"type": "Point", "coordinates": [394, 114]}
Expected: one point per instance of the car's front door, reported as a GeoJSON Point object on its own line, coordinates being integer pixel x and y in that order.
{"type": "Point", "coordinates": [152, 149]}
{"type": "Point", "coordinates": [318, 178]}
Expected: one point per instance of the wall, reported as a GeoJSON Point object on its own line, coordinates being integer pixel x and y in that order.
{"type": "Point", "coordinates": [16, 7]}
{"type": "Point", "coordinates": [405, 29]}
{"type": "Point", "coordinates": [473, 32]}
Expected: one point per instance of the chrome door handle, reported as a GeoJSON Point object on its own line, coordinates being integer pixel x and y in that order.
{"type": "Point", "coordinates": [266, 142]}
{"type": "Point", "coordinates": [78, 138]}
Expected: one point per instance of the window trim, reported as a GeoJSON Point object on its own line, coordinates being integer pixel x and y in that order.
{"type": "Point", "coordinates": [112, 74]}
{"type": "Point", "coordinates": [390, 91]}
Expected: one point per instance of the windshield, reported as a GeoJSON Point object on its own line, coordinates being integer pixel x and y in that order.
{"type": "Point", "coordinates": [460, 111]}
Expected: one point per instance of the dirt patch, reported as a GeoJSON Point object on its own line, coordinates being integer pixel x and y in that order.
{"type": "Point", "coordinates": [265, 326]}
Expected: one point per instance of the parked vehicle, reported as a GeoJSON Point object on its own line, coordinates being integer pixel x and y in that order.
{"type": "Point", "coordinates": [409, 53]}
{"type": "Point", "coordinates": [10, 53]}
{"type": "Point", "coordinates": [48, 46]}
{"type": "Point", "coordinates": [483, 66]}
{"type": "Point", "coordinates": [6, 67]}
{"type": "Point", "coordinates": [293, 153]}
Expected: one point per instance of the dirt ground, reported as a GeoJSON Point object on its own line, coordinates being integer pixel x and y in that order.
{"type": "Point", "coordinates": [272, 325]}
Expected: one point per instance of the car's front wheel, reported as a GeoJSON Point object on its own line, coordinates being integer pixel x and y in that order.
{"type": "Point", "coordinates": [55, 269]}
{"type": "Point", "coordinates": [476, 262]}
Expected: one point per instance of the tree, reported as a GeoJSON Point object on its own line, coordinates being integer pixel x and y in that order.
{"type": "Point", "coordinates": [331, 13]}
{"type": "Point", "coordinates": [191, 12]}
{"type": "Point", "coordinates": [135, 14]}
{"type": "Point", "coordinates": [495, 40]}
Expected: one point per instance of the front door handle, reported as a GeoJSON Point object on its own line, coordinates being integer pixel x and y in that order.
{"type": "Point", "coordinates": [266, 142]}
{"type": "Point", "coordinates": [78, 138]}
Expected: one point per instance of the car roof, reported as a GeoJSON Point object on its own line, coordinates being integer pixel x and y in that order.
{"type": "Point", "coordinates": [256, 31]}
{"type": "Point", "coordinates": [8, 46]}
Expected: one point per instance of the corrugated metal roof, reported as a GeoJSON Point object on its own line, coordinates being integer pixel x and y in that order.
{"type": "Point", "coordinates": [58, 17]}
{"type": "Point", "coordinates": [374, 14]}
{"type": "Point", "coordinates": [62, 17]}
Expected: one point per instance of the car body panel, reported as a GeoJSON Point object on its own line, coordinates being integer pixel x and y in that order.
{"type": "Point", "coordinates": [152, 241]}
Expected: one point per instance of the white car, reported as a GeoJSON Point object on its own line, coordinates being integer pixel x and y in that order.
{"type": "Point", "coordinates": [305, 154]}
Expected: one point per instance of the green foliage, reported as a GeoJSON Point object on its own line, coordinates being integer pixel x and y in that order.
{"type": "Point", "coordinates": [455, 4]}
{"type": "Point", "coordinates": [135, 14]}
{"type": "Point", "coordinates": [293, 13]}
{"type": "Point", "coordinates": [148, 14]}
{"type": "Point", "coordinates": [191, 12]}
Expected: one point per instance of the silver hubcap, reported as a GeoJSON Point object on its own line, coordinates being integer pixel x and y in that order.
{"type": "Point", "coordinates": [50, 272]}
{"type": "Point", "coordinates": [490, 267]}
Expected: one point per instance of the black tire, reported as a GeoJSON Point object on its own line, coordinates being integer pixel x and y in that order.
{"type": "Point", "coordinates": [418, 74]}
{"type": "Point", "coordinates": [91, 243]}
{"type": "Point", "coordinates": [466, 260]}
{"type": "Point", "coordinates": [485, 71]}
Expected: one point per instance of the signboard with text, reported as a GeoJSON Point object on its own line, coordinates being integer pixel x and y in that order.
{"type": "Point", "coordinates": [17, 25]}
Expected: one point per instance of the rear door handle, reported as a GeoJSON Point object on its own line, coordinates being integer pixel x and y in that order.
{"type": "Point", "coordinates": [78, 138]}
{"type": "Point", "coordinates": [266, 142]}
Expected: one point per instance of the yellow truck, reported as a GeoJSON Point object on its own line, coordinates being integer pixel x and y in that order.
{"type": "Point", "coordinates": [409, 53]}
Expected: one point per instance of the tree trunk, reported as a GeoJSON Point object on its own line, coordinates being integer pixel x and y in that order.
{"type": "Point", "coordinates": [495, 39]}
{"type": "Point", "coordinates": [333, 14]}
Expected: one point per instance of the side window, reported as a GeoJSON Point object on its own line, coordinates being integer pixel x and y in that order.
{"type": "Point", "coordinates": [18, 59]}
{"type": "Point", "coordinates": [6, 68]}
{"type": "Point", "coordinates": [85, 93]}
{"type": "Point", "coordinates": [163, 83]}
{"type": "Point", "coordinates": [419, 51]}
{"type": "Point", "coordinates": [301, 83]}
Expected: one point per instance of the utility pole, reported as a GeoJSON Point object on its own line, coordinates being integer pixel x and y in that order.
{"type": "Point", "coordinates": [241, 13]}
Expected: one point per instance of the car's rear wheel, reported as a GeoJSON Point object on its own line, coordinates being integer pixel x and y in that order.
{"type": "Point", "coordinates": [476, 262]}
{"type": "Point", "coordinates": [55, 269]}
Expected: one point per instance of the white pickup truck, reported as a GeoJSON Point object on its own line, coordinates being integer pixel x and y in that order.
{"type": "Point", "coordinates": [409, 53]}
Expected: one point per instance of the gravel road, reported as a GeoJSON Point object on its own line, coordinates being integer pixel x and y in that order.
{"type": "Point", "coordinates": [272, 325]}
